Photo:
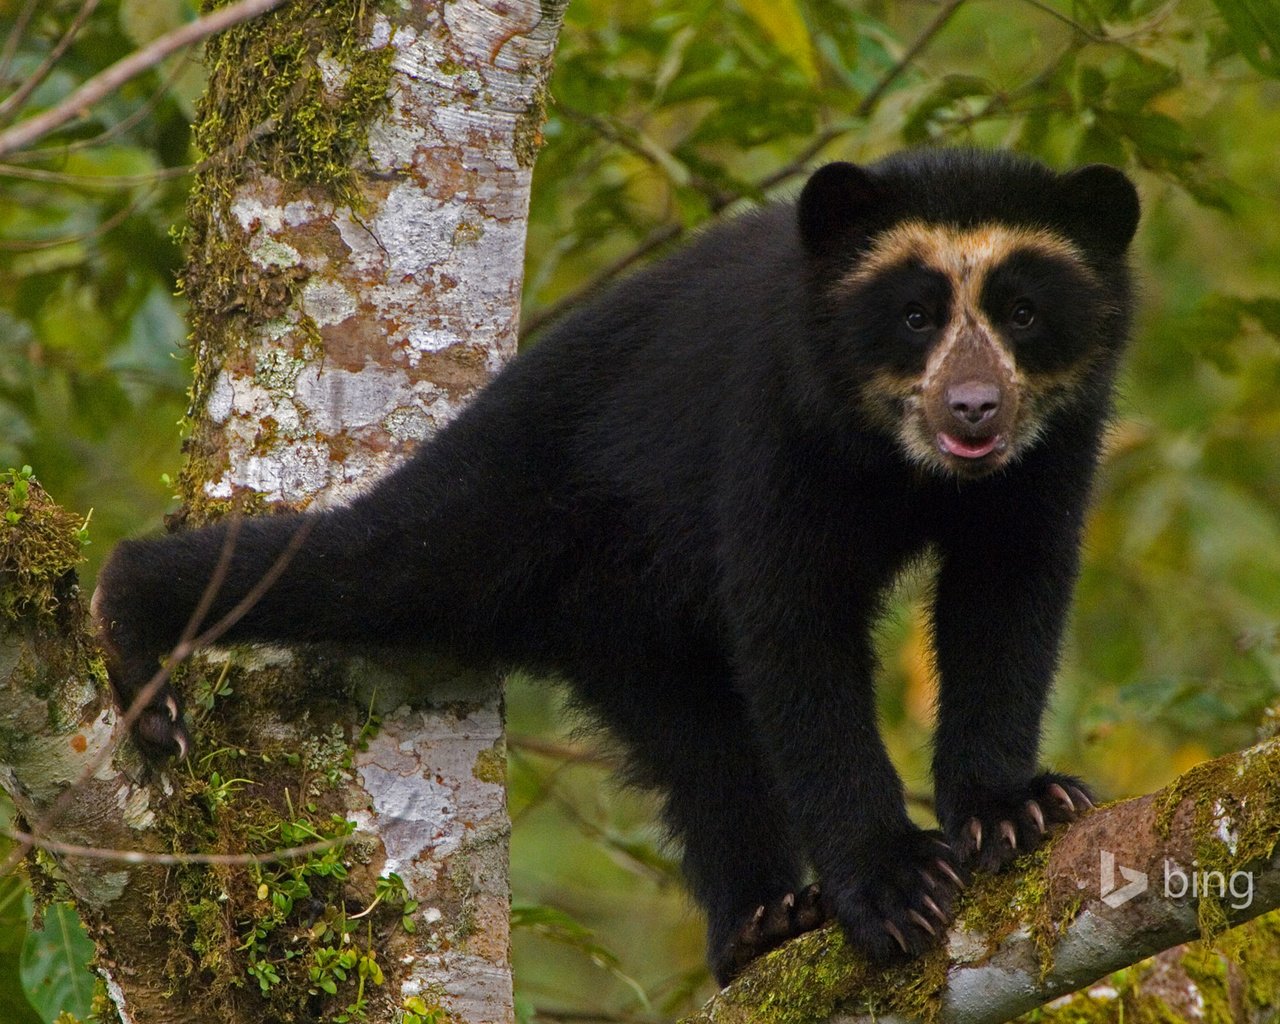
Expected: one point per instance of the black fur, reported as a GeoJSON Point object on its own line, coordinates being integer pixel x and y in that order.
{"type": "Point", "coordinates": [674, 503]}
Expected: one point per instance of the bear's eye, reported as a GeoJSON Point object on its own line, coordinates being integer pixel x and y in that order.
{"type": "Point", "coordinates": [916, 318]}
{"type": "Point", "coordinates": [1023, 314]}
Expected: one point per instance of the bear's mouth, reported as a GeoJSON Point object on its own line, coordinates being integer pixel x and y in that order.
{"type": "Point", "coordinates": [975, 449]}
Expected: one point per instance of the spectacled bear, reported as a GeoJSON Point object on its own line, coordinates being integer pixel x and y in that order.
{"type": "Point", "coordinates": [690, 499]}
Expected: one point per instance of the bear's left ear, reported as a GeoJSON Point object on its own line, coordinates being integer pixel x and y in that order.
{"type": "Point", "coordinates": [1100, 207]}
{"type": "Point", "coordinates": [836, 201]}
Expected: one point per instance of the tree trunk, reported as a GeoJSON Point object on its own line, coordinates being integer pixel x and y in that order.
{"type": "Point", "coordinates": [356, 246]}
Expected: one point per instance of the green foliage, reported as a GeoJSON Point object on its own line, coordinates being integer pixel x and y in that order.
{"type": "Point", "coordinates": [427, 1008]}
{"type": "Point", "coordinates": [281, 886]}
{"type": "Point", "coordinates": [390, 889]}
{"type": "Point", "coordinates": [559, 927]}
{"type": "Point", "coordinates": [90, 334]}
{"type": "Point", "coordinates": [1255, 27]}
{"type": "Point", "coordinates": [15, 911]}
{"type": "Point", "coordinates": [18, 482]}
{"type": "Point", "coordinates": [54, 965]}
{"type": "Point", "coordinates": [663, 115]}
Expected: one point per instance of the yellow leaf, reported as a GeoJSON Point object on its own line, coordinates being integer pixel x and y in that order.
{"type": "Point", "coordinates": [918, 667]}
{"type": "Point", "coordinates": [782, 22]}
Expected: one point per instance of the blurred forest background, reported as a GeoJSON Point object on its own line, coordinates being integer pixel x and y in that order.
{"type": "Point", "coordinates": [666, 114]}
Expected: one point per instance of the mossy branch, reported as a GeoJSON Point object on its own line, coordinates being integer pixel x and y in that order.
{"type": "Point", "coordinates": [61, 759]}
{"type": "Point", "coordinates": [1029, 936]}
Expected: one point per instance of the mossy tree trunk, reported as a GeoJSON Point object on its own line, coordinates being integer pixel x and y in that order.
{"type": "Point", "coordinates": [356, 249]}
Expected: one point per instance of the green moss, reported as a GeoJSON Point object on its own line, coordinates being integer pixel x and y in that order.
{"type": "Point", "coordinates": [807, 980]}
{"type": "Point", "coordinates": [429, 1007]}
{"type": "Point", "coordinates": [528, 131]}
{"type": "Point", "coordinates": [273, 71]}
{"type": "Point", "coordinates": [1228, 834]}
{"type": "Point", "coordinates": [1225, 987]}
{"type": "Point", "coordinates": [467, 233]}
{"type": "Point", "coordinates": [278, 372]}
{"type": "Point", "coordinates": [799, 983]}
{"type": "Point", "coordinates": [255, 933]}
{"type": "Point", "coordinates": [998, 905]}
{"type": "Point", "coordinates": [40, 547]}
{"type": "Point", "coordinates": [292, 94]}
{"type": "Point", "coordinates": [491, 765]}
{"type": "Point", "coordinates": [270, 937]}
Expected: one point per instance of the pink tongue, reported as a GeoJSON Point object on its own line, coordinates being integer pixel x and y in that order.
{"type": "Point", "coordinates": [955, 446]}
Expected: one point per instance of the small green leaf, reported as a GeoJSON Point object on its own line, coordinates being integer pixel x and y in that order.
{"type": "Point", "coordinates": [782, 22]}
{"type": "Point", "coordinates": [1255, 27]}
{"type": "Point", "coordinates": [55, 965]}
{"type": "Point", "coordinates": [14, 912]}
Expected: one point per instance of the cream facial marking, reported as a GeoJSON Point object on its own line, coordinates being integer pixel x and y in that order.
{"type": "Point", "coordinates": [969, 347]}
{"type": "Point", "coordinates": [964, 256]}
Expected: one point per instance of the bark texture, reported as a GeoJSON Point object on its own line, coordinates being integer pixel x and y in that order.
{"type": "Point", "coordinates": [59, 735]}
{"type": "Point", "coordinates": [356, 246]}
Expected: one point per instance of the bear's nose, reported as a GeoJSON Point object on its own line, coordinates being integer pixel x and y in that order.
{"type": "Point", "coordinates": [973, 402]}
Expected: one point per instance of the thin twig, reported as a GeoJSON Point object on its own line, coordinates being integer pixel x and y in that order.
{"type": "Point", "coordinates": [103, 181]}
{"type": "Point", "coordinates": [1074, 25]}
{"type": "Point", "coordinates": [560, 751]}
{"type": "Point", "coordinates": [1004, 101]}
{"type": "Point", "coordinates": [872, 99]}
{"type": "Point", "coordinates": [119, 181]}
{"type": "Point", "coordinates": [13, 102]}
{"type": "Point", "coordinates": [656, 239]}
{"type": "Point", "coordinates": [587, 1016]}
{"type": "Point", "coordinates": [185, 647]}
{"type": "Point", "coordinates": [800, 162]}
{"type": "Point", "coordinates": [170, 859]}
{"type": "Point", "coordinates": [106, 82]}
{"type": "Point", "coordinates": [117, 129]}
{"type": "Point", "coordinates": [667, 233]}
{"type": "Point", "coordinates": [638, 143]}
{"type": "Point", "coordinates": [14, 38]}
{"type": "Point", "coordinates": [107, 226]}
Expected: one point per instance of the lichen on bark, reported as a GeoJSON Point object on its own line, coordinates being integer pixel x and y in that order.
{"type": "Point", "coordinates": [356, 248]}
{"type": "Point", "coordinates": [290, 98]}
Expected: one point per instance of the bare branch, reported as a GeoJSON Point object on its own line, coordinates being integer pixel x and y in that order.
{"type": "Point", "coordinates": [872, 100]}
{"type": "Point", "coordinates": [117, 129]}
{"type": "Point", "coordinates": [13, 102]}
{"type": "Point", "coordinates": [103, 84]}
{"type": "Point", "coordinates": [172, 859]}
{"type": "Point", "coordinates": [14, 38]}
{"type": "Point", "coordinates": [105, 182]}
{"type": "Point", "coordinates": [668, 233]}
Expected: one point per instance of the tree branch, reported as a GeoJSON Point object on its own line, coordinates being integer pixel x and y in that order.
{"type": "Point", "coordinates": [101, 85]}
{"type": "Point", "coordinates": [666, 233]}
{"type": "Point", "coordinates": [1025, 938]}
{"type": "Point", "coordinates": [13, 102]}
{"type": "Point", "coordinates": [59, 733]}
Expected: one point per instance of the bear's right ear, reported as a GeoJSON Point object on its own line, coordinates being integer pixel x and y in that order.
{"type": "Point", "coordinates": [836, 202]}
